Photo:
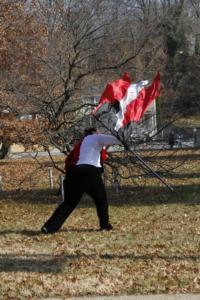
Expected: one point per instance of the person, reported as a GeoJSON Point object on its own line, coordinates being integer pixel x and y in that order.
{"type": "Point", "coordinates": [171, 139]}
{"type": "Point", "coordinates": [83, 174]}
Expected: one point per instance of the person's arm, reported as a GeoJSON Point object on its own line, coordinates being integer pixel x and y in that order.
{"type": "Point", "coordinates": [103, 154]}
{"type": "Point", "coordinates": [107, 140]}
{"type": "Point", "coordinates": [73, 156]}
{"type": "Point", "coordinates": [69, 160]}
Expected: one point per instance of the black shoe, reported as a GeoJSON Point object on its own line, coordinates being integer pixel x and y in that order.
{"type": "Point", "coordinates": [107, 227]}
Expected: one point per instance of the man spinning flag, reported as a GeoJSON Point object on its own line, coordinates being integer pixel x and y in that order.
{"type": "Point", "coordinates": [123, 104]}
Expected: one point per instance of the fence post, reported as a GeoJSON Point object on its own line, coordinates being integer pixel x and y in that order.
{"type": "Point", "coordinates": [195, 136]}
{"type": "Point", "coordinates": [62, 187]}
{"type": "Point", "coordinates": [1, 184]}
{"type": "Point", "coordinates": [50, 178]}
{"type": "Point", "coordinates": [116, 182]}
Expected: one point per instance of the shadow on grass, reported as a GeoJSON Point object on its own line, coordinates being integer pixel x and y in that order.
{"type": "Point", "coordinates": [33, 264]}
{"type": "Point", "coordinates": [33, 233]}
{"type": "Point", "coordinates": [27, 232]}
{"type": "Point", "coordinates": [43, 196]}
{"type": "Point", "coordinates": [129, 195]}
{"type": "Point", "coordinates": [45, 263]}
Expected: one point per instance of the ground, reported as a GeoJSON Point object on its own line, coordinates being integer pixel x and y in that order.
{"type": "Point", "coordinates": [154, 247]}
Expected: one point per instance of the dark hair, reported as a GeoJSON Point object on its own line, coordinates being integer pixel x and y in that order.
{"type": "Point", "coordinates": [90, 130]}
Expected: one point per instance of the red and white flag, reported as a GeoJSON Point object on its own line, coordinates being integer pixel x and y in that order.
{"type": "Point", "coordinates": [133, 98]}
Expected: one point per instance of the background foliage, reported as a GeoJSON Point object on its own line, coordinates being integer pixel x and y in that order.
{"type": "Point", "coordinates": [55, 52]}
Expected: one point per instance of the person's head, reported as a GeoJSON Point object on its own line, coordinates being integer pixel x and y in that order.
{"type": "Point", "coordinates": [90, 130]}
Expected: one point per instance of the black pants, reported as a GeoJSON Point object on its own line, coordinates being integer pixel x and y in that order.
{"type": "Point", "coordinates": [80, 179]}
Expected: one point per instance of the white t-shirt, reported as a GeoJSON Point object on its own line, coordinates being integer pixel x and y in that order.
{"type": "Point", "coordinates": [90, 150]}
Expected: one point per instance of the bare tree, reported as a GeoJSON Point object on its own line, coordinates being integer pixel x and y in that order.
{"type": "Point", "coordinates": [86, 42]}
{"type": "Point", "coordinates": [83, 44]}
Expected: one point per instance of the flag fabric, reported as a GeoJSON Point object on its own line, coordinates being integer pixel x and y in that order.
{"type": "Point", "coordinates": [115, 90]}
{"type": "Point", "coordinates": [128, 101]}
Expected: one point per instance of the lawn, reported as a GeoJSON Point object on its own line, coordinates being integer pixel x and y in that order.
{"type": "Point", "coordinates": [154, 247]}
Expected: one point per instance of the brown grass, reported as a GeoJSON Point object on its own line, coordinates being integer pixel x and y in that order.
{"type": "Point", "coordinates": [154, 247]}
{"type": "Point", "coordinates": [191, 122]}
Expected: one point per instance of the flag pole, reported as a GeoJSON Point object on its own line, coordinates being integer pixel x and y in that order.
{"type": "Point", "coordinates": [136, 155]}
{"type": "Point", "coordinates": [149, 168]}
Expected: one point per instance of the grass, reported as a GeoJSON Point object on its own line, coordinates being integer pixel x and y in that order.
{"type": "Point", "coordinates": [154, 247]}
{"type": "Point", "coordinates": [190, 122]}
